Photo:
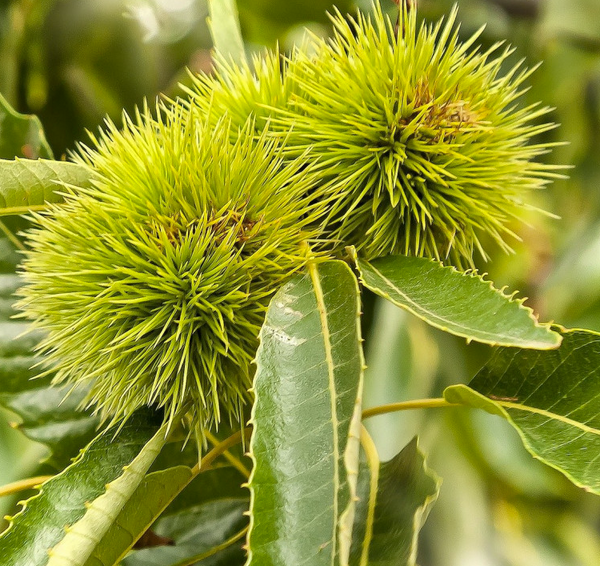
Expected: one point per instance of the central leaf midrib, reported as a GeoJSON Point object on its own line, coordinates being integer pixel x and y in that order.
{"type": "Point", "coordinates": [320, 298]}
{"type": "Point", "coordinates": [554, 416]}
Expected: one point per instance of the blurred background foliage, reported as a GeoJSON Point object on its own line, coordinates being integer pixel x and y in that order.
{"type": "Point", "coordinates": [72, 62]}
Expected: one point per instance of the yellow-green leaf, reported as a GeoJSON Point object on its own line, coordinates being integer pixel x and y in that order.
{"type": "Point", "coordinates": [27, 183]}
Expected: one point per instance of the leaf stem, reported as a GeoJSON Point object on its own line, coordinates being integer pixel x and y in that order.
{"type": "Point", "coordinates": [407, 405]}
{"type": "Point", "coordinates": [8, 233]}
{"type": "Point", "coordinates": [14, 210]}
{"type": "Point", "coordinates": [233, 460]}
{"type": "Point", "coordinates": [22, 485]}
{"type": "Point", "coordinates": [193, 559]}
{"type": "Point", "coordinates": [219, 449]}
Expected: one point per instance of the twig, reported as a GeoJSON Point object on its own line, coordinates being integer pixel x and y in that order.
{"type": "Point", "coordinates": [22, 485]}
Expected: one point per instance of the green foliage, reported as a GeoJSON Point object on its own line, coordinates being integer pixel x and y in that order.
{"type": "Point", "coordinates": [46, 414]}
{"type": "Point", "coordinates": [21, 135]}
{"type": "Point", "coordinates": [146, 504]}
{"type": "Point", "coordinates": [305, 449]}
{"type": "Point", "coordinates": [455, 302]}
{"type": "Point", "coordinates": [83, 537]}
{"type": "Point", "coordinates": [205, 515]}
{"type": "Point", "coordinates": [394, 500]}
{"type": "Point", "coordinates": [62, 501]}
{"type": "Point", "coordinates": [551, 398]}
{"type": "Point", "coordinates": [28, 184]}
{"type": "Point", "coordinates": [38, 179]}
{"type": "Point", "coordinates": [152, 284]}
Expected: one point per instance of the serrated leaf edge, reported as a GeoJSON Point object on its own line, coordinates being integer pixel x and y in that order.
{"type": "Point", "coordinates": [82, 537]}
{"type": "Point", "coordinates": [355, 423]}
{"type": "Point", "coordinates": [468, 273]}
{"type": "Point", "coordinates": [374, 464]}
{"type": "Point", "coordinates": [352, 451]}
{"type": "Point", "coordinates": [422, 512]}
{"type": "Point", "coordinates": [499, 408]}
{"type": "Point", "coordinates": [24, 503]}
{"type": "Point", "coordinates": [148, 524]}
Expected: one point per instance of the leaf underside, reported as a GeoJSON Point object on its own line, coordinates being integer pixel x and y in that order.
{"type": "Point", "coordinates": [26, 183]}
{"type": "Point", "coordinates": [394, 501]}
{"type": "Point", "coordinates": [459, 303]}
{"type": "Point", "coordinates": [551, 398]}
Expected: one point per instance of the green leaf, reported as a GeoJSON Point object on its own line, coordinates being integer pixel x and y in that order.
{"type": "Point", "coordinates": [85, 535]}
{"type": "Point", "coordinates": [208, 512]}
{"type": "Point", "coordinates": [550, 398]}
{"type": "Point", "coordinates": [197, 531]}
{"type": "Point", "coordinates": [459, 303]}
{"type": "Point", "coordinates": [45, 414]}
{"type": "Point", "coordinates": [62, 501]}
{"type": "Point", "coordinates": [25, 183]}
{"type": "Point", "coordinates": [150, 499]}
{"type": "Point", "coordinates": [21, 135]}
{"type": "Point", "coordinates": [306, 418]}
{"type": "Point", "coordinates": [394, 500]}
{"type": "Point", "coordinates": [225, 30]}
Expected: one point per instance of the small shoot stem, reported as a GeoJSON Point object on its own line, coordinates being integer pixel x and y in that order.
{"type": "Point", "coordinates": [214, 550]}
{"type": "Point", "coordinates": [218, 450]}
{"type": "Point", "coordinates": [233, 460]}
{"type": "Point", "coordinates": [8, 233]}
{"type": "Point", "coordinates": [408, 405]}
{"type": "Point", "coordinates": [22, 485]}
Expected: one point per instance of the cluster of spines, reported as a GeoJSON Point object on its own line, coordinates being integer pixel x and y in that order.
{"type": "Point", "coordinates": [395, 139]}
{"type": "Point", "coordinates": [420, 135]}
{"type": "Point", "coordinates": [152, 284]}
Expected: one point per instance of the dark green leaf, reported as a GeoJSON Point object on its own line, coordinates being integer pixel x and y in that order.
{"type": "Point", "coordinates": [61, 502]}
{"type": "Point", "coordinates": [394, 501]}
{"type": "Point", "coordinates": [84, 537]}
{"type": "Point", "coordinates": [551, 398]}
{"type": "Point", "coordinates": [21, 135]}
{"type": "Point", "coordinates": [197, 531]}
{"type": "Point", "coordinates": [305, 443]}
{"type": "Point", "coordinates": [460, 303]}
{"type": "Point", "coordinates": [25, 184]}
{"type": "Point", "coordinates": [207, 513]}
{"type": "Point", "coordinates": [46, 416]}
